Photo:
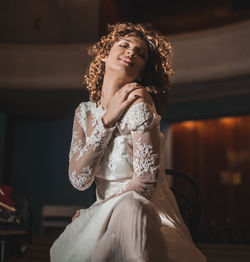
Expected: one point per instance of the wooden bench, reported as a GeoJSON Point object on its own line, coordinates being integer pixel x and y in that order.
{"type": "Point", "coordinates": [56, 217]}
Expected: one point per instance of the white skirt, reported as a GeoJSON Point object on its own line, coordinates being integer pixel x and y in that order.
{"type": "Point", "coordinates": [124, 228]}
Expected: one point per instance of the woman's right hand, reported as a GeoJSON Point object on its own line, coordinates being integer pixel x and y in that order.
{"type": "Point", "coordinates": [118, 103]}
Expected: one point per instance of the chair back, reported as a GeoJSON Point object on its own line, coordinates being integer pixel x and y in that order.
{"type": "Point", "coordinates": [188, 199]}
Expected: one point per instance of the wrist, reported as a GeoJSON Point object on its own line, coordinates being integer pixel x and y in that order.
{"type": "Point", "coordinates": [105, 123]}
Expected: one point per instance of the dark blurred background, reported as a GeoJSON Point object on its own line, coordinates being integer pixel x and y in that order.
{"type": "Point", "coordinates": [43, 54]}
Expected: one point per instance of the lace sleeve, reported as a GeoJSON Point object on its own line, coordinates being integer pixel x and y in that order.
{"type": "Point", "coordinates": [143, 123]}
{"type": "Point", "coordinates": [89, 140]}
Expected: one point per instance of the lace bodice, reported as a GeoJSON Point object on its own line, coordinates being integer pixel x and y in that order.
{"type": "Point", "coordinates": [121, 158]}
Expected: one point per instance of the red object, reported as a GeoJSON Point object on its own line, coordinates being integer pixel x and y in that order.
{"type": "Point", "coordinates": [5, 195]}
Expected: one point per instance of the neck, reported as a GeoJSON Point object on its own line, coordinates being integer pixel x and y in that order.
{"type": "Point", "coordinates": [111, 84]}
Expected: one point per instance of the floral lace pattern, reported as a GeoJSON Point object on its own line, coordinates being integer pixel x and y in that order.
{"type": "Point", "coordinates": [80, 179]}
{"type": "Point", "coordinates": [138, 162]}
{"type": "Point", "coordinates": [86, 150]}
{"type": "Point", "coordinates": [138, 118]}
{"type": "Point", "coordinates": [146, 167]}
{"type": "Point", "coordinates": [145, 162]}
{"type": "Point", "coordinates": [76, 144]}
{"type": "Point", "coordinates": [98, 138]}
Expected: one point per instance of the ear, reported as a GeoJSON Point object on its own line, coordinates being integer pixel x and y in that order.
{"type": "Point", "coordinates": [104, 59]}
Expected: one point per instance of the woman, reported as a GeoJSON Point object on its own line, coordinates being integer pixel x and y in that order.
{"type": "Point", "coordinates": [116, 142]}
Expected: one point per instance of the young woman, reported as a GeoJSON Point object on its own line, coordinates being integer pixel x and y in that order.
{"type": "Point", "coordinates": [116, 142]}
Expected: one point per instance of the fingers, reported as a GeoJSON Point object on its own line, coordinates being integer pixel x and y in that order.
{"type": "Point", "coordinates": [139, 92]}
{"type": "Point", "coordinates": [120, 101]}
{"type": "Point", "coordinates": [130, 92]}
{"type": "Point", "coordinates": [77, 214]}
{"type": "Point", "coordinates": [127, 89]}
{"type": "Point", "coordinates": [142, 93]}
{"type": "Point", "coordinates": [130, 100]}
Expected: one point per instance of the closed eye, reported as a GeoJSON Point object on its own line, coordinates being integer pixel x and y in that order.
{"type": "Point", "coordinates": [126, 43]}
{"type": "Point", "coordinates": [123, 45]}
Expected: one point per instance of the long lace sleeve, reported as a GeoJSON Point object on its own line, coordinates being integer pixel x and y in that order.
{"type": "Point", "coordinates": [143, 123]}
{"type": "Point", "coordinates": [89, 140]}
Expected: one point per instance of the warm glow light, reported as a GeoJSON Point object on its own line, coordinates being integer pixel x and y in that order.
{"type": "Point", "coordinates": [189, 124]}
{"type": "Point", "coordinates": [229, 121]}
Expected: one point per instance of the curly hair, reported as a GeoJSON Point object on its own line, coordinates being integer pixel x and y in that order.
{"type": "Point", "coordinates": [156, 74]}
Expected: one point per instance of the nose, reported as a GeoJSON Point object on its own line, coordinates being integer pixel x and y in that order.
{"type": "Point", "coordinates": [130, 52]}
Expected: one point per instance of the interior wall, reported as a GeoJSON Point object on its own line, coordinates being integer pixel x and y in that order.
{"type": "Point", "coordinates": [36, 152]}
{"type": "Point", "coordinates": [38, 164]}
{"type": "Point", "coordinates": [49, 22]}
{"type": "Point", "coordinates": [216, 154]}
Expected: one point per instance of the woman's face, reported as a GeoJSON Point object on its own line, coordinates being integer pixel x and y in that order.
{"type": "Point", "coordinates": [128, 57]}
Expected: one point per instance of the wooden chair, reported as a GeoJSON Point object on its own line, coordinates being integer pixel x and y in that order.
{"type": "Point", "coordinates": [15, 226]}
{"type": "Point", "coordinates": [14, 236]}
{"type": "Point", "coordinates": [188, 199]}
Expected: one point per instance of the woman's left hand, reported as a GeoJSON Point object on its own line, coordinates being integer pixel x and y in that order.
{"type": "Point", "coordinates": [142, 94]}
{"type": "Point", "coordinates": [77, 214]}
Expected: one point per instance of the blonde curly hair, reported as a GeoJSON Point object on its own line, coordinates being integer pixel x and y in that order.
{"type": "Point", "coordinates": [155, 77]}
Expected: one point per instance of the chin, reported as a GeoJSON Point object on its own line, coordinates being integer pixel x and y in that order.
{"type": "Point", "coordinates": [124, 72]}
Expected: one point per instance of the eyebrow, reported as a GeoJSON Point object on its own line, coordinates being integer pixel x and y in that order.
{"type": "Point", "coordinates": [144, 49]}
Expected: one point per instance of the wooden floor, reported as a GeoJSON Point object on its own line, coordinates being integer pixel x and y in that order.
{"type": "Point", "coordinates": [214, 252]}
{"type": "Point", "coordinates": [225, 253]}
{"type": "Point", "coordinates": [39, 250]}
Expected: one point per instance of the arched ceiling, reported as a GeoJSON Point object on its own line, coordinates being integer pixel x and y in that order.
{"type": "Point", "coordinates": [38, 64]}
{"type": "Point", "coordinates": [77, 21]}
{"type": "Point", "coordinates": [209, 64]}
{"type": "Point", "coordinates": [172, 17]}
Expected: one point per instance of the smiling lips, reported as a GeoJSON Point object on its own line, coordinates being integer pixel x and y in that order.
{"type": "Point", "coordinates": [127, 60]}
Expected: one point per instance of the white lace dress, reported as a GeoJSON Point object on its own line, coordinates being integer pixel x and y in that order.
{"type": "Point", "coordinates": [135, 217]}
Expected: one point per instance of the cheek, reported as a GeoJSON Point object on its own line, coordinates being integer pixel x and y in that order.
{"type": "Point", "coordinates": [110, 61]}
{"type": "Point", "coordinates": [141, 66]}
{"type": "Point", "coordinates": [113, 57]}
{"type": "Point", "coordinates": [114, 51]}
